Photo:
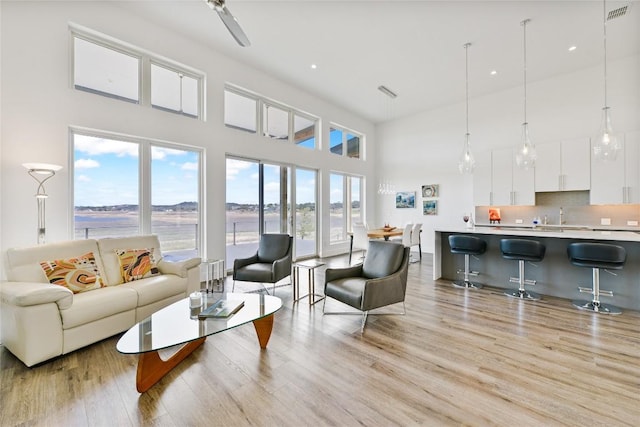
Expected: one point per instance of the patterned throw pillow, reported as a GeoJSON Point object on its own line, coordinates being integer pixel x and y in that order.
{"type": "Point", "coordinates": [136, 264]}
{"type": "Point", "coordinates": [78, 274]}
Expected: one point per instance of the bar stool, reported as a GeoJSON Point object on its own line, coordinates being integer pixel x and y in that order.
{"type": "Point", "coordinates": [597, 256]}
{"type": "Point", "coordinates": [467, 245]}
{"type": "Point", "coordinates": [522, 250]}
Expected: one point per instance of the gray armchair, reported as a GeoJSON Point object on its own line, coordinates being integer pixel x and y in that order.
{"type": "Point", "coordinates": [270, 264]}
{"type": "Point", "coordinates": [381, 280]}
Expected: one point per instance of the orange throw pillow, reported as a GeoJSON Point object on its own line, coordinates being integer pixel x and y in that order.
{"type": "Point", "coordinates": [79, 274]}
{"type": "Point", "coordinates": [136, 264]}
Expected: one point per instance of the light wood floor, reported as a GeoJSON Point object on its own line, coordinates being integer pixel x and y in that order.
{"type": "Point", "coordinates": [456, 358]}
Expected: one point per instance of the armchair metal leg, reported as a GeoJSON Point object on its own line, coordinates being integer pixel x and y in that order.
{"type": "Point", "coordinates": [364, 321]}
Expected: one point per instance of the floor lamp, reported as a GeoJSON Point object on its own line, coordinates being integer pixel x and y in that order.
{"type": "Point", "coordinates": [41, 172]}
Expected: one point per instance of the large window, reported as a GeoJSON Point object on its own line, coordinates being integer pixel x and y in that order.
{"type": "Point", "coordinates": [345, 205]}
{"type": "Point", "coordinates": [276, 121]}
{"type": "Point", "coordinates": [124, 187]}
{"type": "Point", "coordinates": [109, 67]}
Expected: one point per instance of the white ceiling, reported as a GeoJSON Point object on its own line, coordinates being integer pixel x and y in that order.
{"type": "Point", "coordinates": [413, 47]}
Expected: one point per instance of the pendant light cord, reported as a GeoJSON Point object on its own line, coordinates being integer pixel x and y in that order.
{"type": "Point", "coordinates": [604, 31]}
{"type": "Point", "coordinates": [524, 31]}
{"type": "Point", "coordinates": [466, 55]}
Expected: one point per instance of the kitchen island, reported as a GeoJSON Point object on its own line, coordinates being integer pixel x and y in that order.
{"type": "Point", "coordinates": [555, 275]}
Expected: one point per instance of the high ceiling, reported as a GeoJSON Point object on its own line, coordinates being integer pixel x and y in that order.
{"type": "Point", "coordinates": [415, 48]}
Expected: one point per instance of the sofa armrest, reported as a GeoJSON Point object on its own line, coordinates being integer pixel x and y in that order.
{"type": "Point", "coordinates": [24, 294]}
{"type": "Point", "coordinates": [179, 268]}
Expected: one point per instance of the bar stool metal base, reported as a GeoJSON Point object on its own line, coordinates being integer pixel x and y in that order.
{"type": "Point", "coordinates": [596, 307]}
{"type": "Point", "coordinates": [466, 284]}
{"type": "Point", "coordinates": [522, 294]}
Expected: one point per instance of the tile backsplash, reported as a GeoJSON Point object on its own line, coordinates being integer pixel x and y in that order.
{"type": "Point", "coordinates": [576, 211]}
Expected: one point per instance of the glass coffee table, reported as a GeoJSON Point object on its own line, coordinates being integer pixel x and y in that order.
{"type": "Point", "coordinates": [178, 324]}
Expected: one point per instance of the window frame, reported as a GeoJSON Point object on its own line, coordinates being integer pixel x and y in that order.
{"type": "Point", "coordinates": [146, 58]}
{"type": "Point", "coordinates": [345, 146]}
{"type": "Point", "coordinates": [145, 190]}
{"type": "Point", "coordinates": [261, 125]}
{"type": "Point", "coordinates": [347, 201]}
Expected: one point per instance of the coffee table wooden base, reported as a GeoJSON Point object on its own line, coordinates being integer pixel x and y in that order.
{"type": "Point", "coordinates": [151, 368]}
{"type": "Point", "coordinates": [264, 327]}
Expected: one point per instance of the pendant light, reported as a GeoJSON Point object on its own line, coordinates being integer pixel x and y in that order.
{"type": "Point", "coordinates": [526, 154]}
{"type": "Point", "coordinates": [467, 162]}
{"type": "Point", "coordinates": [605, 144]}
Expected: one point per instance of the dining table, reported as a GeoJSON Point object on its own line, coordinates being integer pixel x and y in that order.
{"type": "Point", "coordinates": [377, 233]}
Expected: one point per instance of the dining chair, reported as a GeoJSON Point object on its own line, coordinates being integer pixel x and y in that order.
{"type": "Point", "coordinates": [406, 236]}
{"type": "Point", "coordinates": [360, 240]}
{"type": "Point", "coordinates": [415, 240]}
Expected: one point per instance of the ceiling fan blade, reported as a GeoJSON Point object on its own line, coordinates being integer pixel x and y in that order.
{"type": "Point", "coordinates": [230, 22]}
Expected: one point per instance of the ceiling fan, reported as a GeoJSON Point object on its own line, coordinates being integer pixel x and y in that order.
{"type": "Point", "coordinates": [229, 21]}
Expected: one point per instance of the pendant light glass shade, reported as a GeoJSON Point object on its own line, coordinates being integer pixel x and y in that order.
{"type": "Point", "coordinates": [605, 144]}
{"type": "Point", "coordinates": [467, 162]}
{"type": "Point", "coordinates": [526, 154]}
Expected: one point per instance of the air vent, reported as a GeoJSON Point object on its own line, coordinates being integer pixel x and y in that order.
{"type": "Point", "coordinates": [617, 13]}
{"type": "Point", "coordinates": [387, 91]}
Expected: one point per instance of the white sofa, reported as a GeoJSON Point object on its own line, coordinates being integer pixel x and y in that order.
{"type": "Point", "coordinates": [42, 320]}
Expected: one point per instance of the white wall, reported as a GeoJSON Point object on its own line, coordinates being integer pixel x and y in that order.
{"type": "Point", "coordinates": [425, 147]}
{"type": "Point", "coordinates": [39, 104]}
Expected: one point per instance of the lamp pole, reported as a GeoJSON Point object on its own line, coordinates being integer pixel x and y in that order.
{"type": "Point", "coordinates": [41, 172]}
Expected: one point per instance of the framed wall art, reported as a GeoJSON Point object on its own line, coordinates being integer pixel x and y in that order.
{"type": "Point", "coordinates": [431, 190]}
{"type": "Point", "coordinates": [430, 207]}
{"type": "Point", "coordinates": [405, 199]}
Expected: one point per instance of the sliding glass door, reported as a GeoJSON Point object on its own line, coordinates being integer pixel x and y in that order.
{"type": "Point", "coordinates": [260, 197]}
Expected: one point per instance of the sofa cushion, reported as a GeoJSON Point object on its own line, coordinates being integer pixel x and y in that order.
{"type": "Point", "coordinates": [23, 264]}
{"type": "Point", "coordinates": [98, 304]}
{"type": "Point", "coordinates": [79, 274]}
{"type": "Point", "coordinates": [136, 264]}
{"type": "Point", "coordinates": [107, 248]}
{"type": "Point", "coordinates": [157, 288]}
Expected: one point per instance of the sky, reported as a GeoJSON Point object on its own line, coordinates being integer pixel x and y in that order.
{"type": "Point", "coordinates": [106, 172]}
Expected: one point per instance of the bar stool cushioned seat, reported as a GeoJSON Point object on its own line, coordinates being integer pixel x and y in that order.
{"type": "Point", "coordinates": [467, 245]}
{"type": "Point", "coordinates": [522, 250]}
{"type": "Point", "coordinates": [596, 256]}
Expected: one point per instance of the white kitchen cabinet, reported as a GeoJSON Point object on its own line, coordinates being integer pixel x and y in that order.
{"type": "Point", "coordinates": [617, 181]}
{"type": "Point", "coordinates": [499, 182]}
{"type": "Point", "coordinates": [482, 179]}
{"type": "Point", "coordinates": [563, 166]}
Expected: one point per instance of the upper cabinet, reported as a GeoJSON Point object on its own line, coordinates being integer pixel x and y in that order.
{"type": "Point", "coordinates": [563, 166]}
{"type": "Point", "coordinates": [497, 180]}
{"type": "Point", "coordinates": [617, 181]}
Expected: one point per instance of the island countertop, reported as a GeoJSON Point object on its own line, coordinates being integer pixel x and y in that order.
{"type": "Point", "coordinates": [555, 275]}
{"type": "Point", "coordinates": [547, 231]}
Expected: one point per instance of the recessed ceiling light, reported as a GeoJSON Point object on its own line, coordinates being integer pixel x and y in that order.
{"type": "Point", "coordinates": [314, 66]}
{"type": "Point", "coordinates": [493, 72]}
{"type": "Point", "coordinates": [572, 48]}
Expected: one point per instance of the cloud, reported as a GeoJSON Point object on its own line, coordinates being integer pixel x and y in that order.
{"type": "Point", "coordinates": [161, 153]}
{"type": "Point", "coordinates": [234, 167]}
{"type": "Point", "coordinates": [86, 164]}
{"type": "Point", "coordinates": [93, 146]}
{"type": "Point", "coordinates": [83, 178]}
{"type": "Point", "coordinates": [189, 166]}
